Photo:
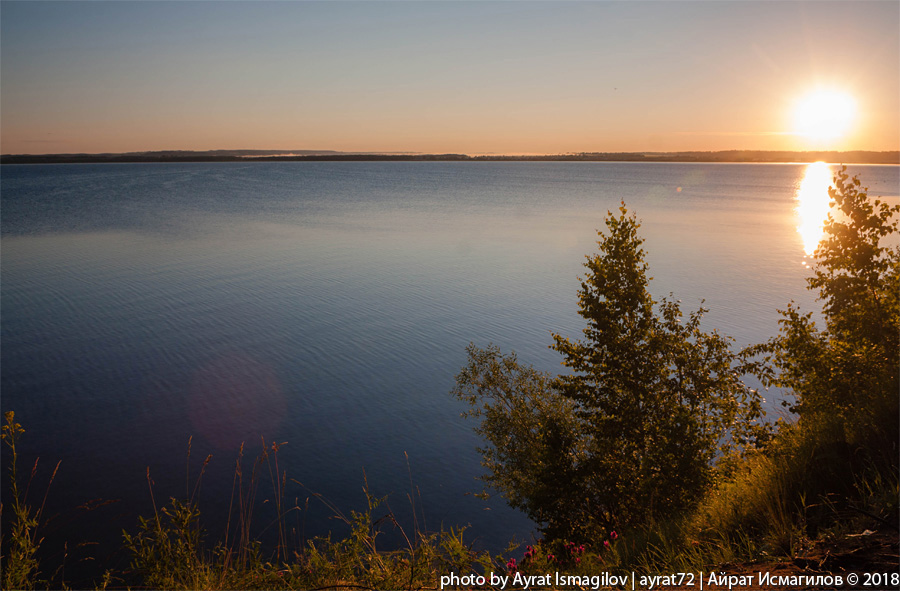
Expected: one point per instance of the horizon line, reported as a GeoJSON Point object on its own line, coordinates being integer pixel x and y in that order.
{"type": "Point", "coordinates": [257, 152]}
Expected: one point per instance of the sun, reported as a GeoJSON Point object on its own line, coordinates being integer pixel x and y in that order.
{"type": "Point", "coordinates": [824, 114]}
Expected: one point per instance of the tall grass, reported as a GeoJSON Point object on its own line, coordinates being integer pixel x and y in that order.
{"type": "Point", "coordinates": [805, 486]}
{"type": "Point", "coordinates": [772, 503]}
{"type": "Point", "coordinates": [19, 565]}
{"type": "Point", "coordinates": [169, 549]}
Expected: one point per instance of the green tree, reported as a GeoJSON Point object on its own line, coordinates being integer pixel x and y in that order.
{"type": "Point", "coordinates": [535, 439]}
{"type": "Point", "coordinates": [844, 378]}
{"type": "Point", "coordinates": [660, 397]}
{"type": "Point", "coordinates": [632, 433]}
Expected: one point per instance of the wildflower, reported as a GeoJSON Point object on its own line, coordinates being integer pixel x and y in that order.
{"type": "Point", "coordinates": [613, 535]}
{"type": "Point", "coordinates": [511, 565]}
{"type": "Point", "coordinates": [606, 543]}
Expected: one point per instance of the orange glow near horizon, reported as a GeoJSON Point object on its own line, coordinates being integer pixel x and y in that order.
{"type": "Point", "coordinates": [449, 77]}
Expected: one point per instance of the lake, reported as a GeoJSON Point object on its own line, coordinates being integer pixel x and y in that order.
{"type": "Point", "coordinates": [328, 305]}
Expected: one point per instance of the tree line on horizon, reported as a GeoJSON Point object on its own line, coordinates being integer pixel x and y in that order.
{"type": "Point", "coordinates": [761, 156]}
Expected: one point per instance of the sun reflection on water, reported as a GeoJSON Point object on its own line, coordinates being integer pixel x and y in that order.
{"type": "Point", "coordinates": [812, 204]}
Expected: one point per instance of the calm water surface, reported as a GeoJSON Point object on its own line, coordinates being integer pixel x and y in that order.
{"type": "Point", "coordinates": [329, 305]}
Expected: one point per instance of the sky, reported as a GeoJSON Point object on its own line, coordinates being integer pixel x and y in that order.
{"type": "Point", "coordinates": [442, 77]}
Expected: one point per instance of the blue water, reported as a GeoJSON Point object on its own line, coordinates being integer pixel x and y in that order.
{"type": "Point", "coordinates": [328, 305]}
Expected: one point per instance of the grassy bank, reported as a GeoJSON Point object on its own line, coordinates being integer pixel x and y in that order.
{"type": "Point", "coordinates": [169, 549]}
{"type": "Point", "coordinates": [775, 508]}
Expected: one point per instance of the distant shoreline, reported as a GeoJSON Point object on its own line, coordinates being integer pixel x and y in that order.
{"type": "Point", "coordinates": [850, 157]}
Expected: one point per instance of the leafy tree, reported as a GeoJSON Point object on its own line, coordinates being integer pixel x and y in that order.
{"type": "Point", "coordinates": [660, 397]}
{"type": "Point", "coordinates": [633, 431]}
{"type": "Point", "coordinates": [845, 377]}
{"type": "Point", "coordinates": [535, 438]}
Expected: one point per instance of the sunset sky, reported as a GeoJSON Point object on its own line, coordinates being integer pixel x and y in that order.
{"type": "Point", "coordinates": [462, 77]}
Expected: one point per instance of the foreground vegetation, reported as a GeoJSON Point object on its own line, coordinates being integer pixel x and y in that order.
{"type": "Point", "coordinates": [654, 434]}
{"type": "Point", "coordinates": [649, 456]}
{"type": "Point", "coordinates": [169, 550]}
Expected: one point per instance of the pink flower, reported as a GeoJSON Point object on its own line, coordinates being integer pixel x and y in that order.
{"type": "Point", "coordinates": [613, 535]}
{"type": "Point", "coordinates": [606, 543]}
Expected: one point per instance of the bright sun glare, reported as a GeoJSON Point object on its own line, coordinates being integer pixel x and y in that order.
{"type": "Point", "coordinates": [824, 114]}
{"type": "Point", "coordinates": [813, 204]}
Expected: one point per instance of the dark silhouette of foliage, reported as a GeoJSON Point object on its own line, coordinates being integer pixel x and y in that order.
{"type": "Point", "coordinates": [535, 438]}
{"type": "Point", "coordinates": [633, 432]}
{"type": "Point", "coordinates": [844, 378]}
{"type": "Point", "coordinates": [660, 397]}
